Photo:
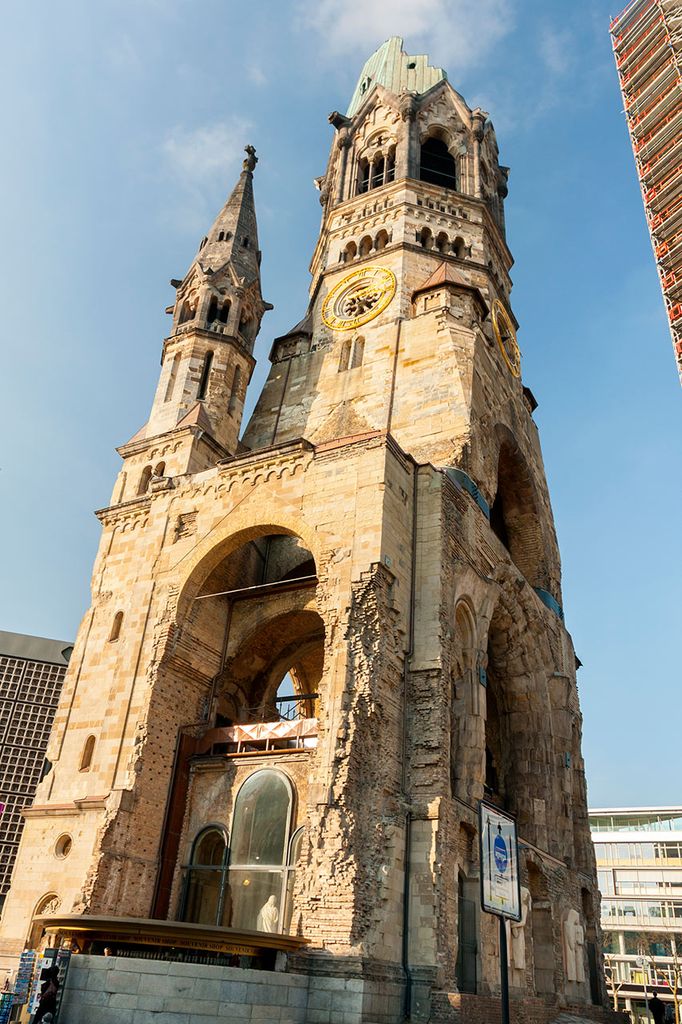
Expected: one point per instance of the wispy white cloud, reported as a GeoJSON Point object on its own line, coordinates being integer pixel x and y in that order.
{"type": "Point", "coordinates": [255, 74]}
{"type": "Point", "coordinates": [203, 163]}
{"type": "Point", "coordinates": [200, 156]}
{"type": "Point", "coordinates": [556, 49]}
{"type": "Point", "coordinates": [457, 33]}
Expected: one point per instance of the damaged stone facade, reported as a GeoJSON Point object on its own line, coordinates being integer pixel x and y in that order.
{"type": "Point", "coordinates": [382, 538]}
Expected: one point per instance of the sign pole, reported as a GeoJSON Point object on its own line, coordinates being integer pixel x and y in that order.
{"type": "Point", "coordinates": [500, 881]}
{"type": "Point", "coordinates": [504, 971]}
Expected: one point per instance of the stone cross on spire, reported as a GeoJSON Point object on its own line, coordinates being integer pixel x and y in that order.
{"type": "Point", "coordinates": [251, 160]}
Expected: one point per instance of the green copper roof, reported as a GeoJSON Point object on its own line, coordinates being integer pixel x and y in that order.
{"type": "Point", "coordinates": [396, 70]}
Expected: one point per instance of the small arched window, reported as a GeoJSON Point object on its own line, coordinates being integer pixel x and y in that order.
{"type": "Point", "coordinates": [86, 756]}
{"type": "Point", "coordinates": [186, 313]}
{"type": "Point", "coordinates": [437, 165]}
{"type": "Point", "coordinates": [159, 469]}
{"type": "Point", "coordinates": [206, 888]}
{"type": "Point", "coordinates": [245, 241]}
{"type": "Point", "coordinates": [116, 626]}
{"type": "Point", "coordinates": [363, 176]}
{"type": "Point", "coordinates": [426, 238]}
{"type": "Point", "coordinates": [381, 240]}
{"type": "Point", "coordinates": [234, 390]}
{"type": "Point", "coordinates": [205, 373]}
{"type": "Point", "coordinates": [365, 246]}
{"type": "Point", "coordinates": [170, 386]}
{"type": "Point", "coordinates": [344, 356]}
{"type": "Point", "coordinates": [459, 248]}
{"type": "Point", "coordinates": [442, 242]}
{"type": "Point", "coordinates": [358, 353]}
{"type": "Point", "coordinates": [224, 311]}
{"type": "Point", "coordinates": [212, 313]}
{"type": "Point", "coordinates": [389, 174]}
{"type": "Point", "coordinates": [144, 480]}
{"type": "Point", "coordinates": [350, 252]}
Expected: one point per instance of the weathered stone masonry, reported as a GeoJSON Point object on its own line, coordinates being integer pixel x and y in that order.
{"type": "Point", "coordinates": [381, 538]}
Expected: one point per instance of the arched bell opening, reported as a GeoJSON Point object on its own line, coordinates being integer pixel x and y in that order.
{"type": "Point", "coordinates": [436, 164]}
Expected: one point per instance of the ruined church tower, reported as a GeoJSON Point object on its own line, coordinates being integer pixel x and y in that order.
{"type": "Point", "coordinates": [317, 641]}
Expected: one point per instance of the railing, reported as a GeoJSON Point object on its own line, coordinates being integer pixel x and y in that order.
{"type": "Point", "coordinates": [251, 738]}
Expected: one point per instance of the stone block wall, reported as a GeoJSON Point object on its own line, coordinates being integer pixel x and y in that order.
{"type": "Point", "coordinates": [125, 990]}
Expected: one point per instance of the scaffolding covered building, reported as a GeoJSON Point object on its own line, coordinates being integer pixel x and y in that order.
{"type": "Point", "coordinates": [647, 44]}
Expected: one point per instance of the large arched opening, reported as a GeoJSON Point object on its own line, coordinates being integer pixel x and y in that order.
{"type": "Point", "coordinates": [514, 514]}
{"type": "Point", "coordinates": [518, 734]}
{"type": "Point", "coordinates": [250, 645]}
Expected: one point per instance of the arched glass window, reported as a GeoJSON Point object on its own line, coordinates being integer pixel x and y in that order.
{"type": "Point", "coordinates": [205, 886]}
{"type": "Point", "coordinates": [259, 852]}
{"type": "Point", "coordinates": [292, 860]}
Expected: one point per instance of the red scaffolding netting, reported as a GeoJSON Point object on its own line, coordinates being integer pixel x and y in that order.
{"type": "Point", "coordinates": [647, 45]}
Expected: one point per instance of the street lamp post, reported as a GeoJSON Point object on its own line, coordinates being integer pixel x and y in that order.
{"type": "Point", "coordinates": [641, 963]}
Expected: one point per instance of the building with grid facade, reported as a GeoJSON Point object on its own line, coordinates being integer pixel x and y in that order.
{"type": "Point", "coordinates": [639, 866]}
{"type": "Point", "coordinates": [32, 671]}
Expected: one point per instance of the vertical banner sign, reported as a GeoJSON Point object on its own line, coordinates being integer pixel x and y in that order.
{"type": "Point", "coordinates": [500, 882]}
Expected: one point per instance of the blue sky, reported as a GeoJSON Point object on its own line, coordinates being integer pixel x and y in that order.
{"type": "Point", "coordinates": [124, 128]}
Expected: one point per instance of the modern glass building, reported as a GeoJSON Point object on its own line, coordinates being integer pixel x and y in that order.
{"type": "Point", "coordinates": [639, 864]}
{"type": "Point", "coordinates": [32, 671]}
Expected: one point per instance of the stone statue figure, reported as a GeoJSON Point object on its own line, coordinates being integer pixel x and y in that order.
{"type": "Point", "coordinates": [580, 952]}
{"type": "Point", "coordinates": [268, 916]}
{"type": "Point", "coordinates": [517, 938]}
{"type": "Point", "coordinates": [574, 946]}
{"type": "Point", "coordinates": [251, 159]}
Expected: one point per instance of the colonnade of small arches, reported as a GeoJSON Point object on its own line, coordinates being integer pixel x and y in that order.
{"type": "Point", "coordinates": [366, 246]}
{"type": "Point", "coordinates": [442, 242]}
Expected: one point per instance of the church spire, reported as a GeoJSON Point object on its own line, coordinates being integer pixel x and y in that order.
{"type": "Point", "coordinates": [207, 359]}
{"type": "Point", "coordinates": [234, 235]}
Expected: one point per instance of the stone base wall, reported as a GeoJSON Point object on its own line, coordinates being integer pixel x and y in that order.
{"type": "Point", "coordinates": [458, 1008]}
{"type": "Point", "coordinates": [123, 990]}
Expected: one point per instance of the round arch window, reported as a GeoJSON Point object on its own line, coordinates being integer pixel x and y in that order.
{"type": "Point", "coordinates": [248, 886]}
{"type": "Point", "coordinates": [62, 848]}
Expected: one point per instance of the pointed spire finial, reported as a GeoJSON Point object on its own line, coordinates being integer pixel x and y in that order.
{"type": "Point", "coordinates": [251, 159]}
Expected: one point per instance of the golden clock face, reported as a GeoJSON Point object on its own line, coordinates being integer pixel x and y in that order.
{"type": "Point", "coordinates": [506, 338]}
{"type": "Point", "coordinates": [358, 298]}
